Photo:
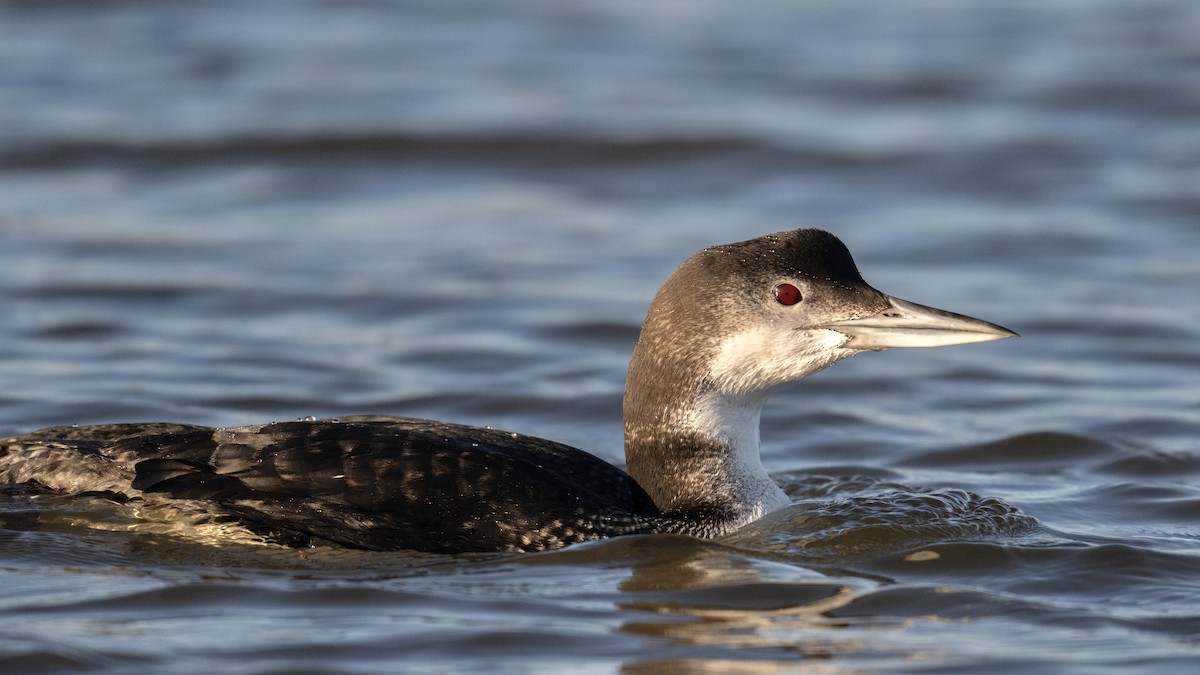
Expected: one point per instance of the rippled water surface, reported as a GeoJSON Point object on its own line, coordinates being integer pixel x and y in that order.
{"type": "Point", "coordinates": [228, 213]}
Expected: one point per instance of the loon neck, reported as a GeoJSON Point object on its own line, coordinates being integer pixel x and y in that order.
{"type": "Point", "coordinates": [701, 456]}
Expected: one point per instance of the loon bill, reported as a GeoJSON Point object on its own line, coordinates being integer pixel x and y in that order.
{"type": "Point", "coordinates": [727, 328]}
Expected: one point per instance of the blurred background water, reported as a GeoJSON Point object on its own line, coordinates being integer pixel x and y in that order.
{"type": "Point", "coordinates": [228, 213]}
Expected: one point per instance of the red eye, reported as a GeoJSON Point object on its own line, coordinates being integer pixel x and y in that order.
{"type": "Point", "coordinates": [787, 294]}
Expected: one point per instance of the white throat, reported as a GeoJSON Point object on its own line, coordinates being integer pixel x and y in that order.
{"type": "Point", "coordinates": [749, 366]}
{"type": "Point", "coordinates": [732, 422]}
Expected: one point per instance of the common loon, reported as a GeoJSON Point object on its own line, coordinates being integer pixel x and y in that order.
{"type": "Point", "coordinates": [728, 327]}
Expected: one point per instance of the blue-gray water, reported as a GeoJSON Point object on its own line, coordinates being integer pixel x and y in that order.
{"type": "Point", "coordinates": [230, 212]}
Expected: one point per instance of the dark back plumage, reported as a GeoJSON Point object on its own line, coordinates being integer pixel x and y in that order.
{"type": "Point", "coordinates": [377, 483]}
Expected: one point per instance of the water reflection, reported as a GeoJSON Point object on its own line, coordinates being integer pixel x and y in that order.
{"type": "Point", "coordinates": [695, 594]}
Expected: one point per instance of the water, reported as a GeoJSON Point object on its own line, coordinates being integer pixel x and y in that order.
{"type": "Point", "coordinates": [228, 213]}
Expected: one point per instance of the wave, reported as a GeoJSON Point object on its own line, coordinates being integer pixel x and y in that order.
{"type": "Point", "coordinates": [549, 148]}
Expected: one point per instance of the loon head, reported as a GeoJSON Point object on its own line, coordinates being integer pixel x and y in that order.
{"type": "Point", "coordinates": [786, 305]}
{"type": "Point", "coordinates": [731, 325]}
